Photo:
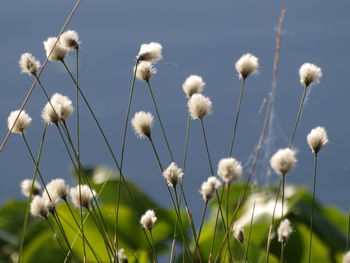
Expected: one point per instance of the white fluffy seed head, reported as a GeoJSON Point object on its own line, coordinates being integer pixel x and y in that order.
{"type": "Point", "coordinates": [87, 195]}
{"type": "Point", "coordinates": [199, 106]}
{"type": "Point", "coordinates": [192, 85]}
{"type": "Point", "coordinates": [229, 169]}
{"type": "Point", "coordinates": [121, 256]}
{"type": "Point", "coordinates": [309, 73]}
{"type": "Point", "coordinates": [247, 64]}
{"type": "Point", "coordinates": [151, 52]}
{"type": "Point", "coordinates": [142, 123]}
{"type": "Point", "coordinates": [59, 108]}
{"type": "Point", "coordinates": [214, 182]}
{"type": "Point", "coordinates": [28, 64]}
{"type": "Point", "coordinates": [346, 257]}
{"type": "Point", "coordinates": [38, 207]}
{"type": "Point", "coordinates": [284, 231]}
{"type": "Point", "coordinates": [173, 174]}
{"type": "Point", "coordinates": [283, 161]}
{"type": "Point", "coordinates": [70, 40]}
{"type": "Point", "coordinates": [207, 190]}
{"type": "Point", "coordinates": [26, 187]}
{"type": "Point", "coordinates": [239, 234]}
{"type": "Point", "coordinates": [58, 189]}
{"type": "Point", "coordinates": [145, 70]}
{"type": "Point", "coordinates": [22, 122]}
{"type": "Point", "coordinates": [58, 53]}
{"type": "Point", "coordinates": [317, 138]}
{"type": "Point", "coordinates": [148, 219]}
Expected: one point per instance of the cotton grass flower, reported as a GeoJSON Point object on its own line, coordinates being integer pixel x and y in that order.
{"type": "Point", "coordinates": [58, 189]}
{"type": "Point", "coordinates": [28, 64]}
{"type": "Point", "coordinates": [22, 122]}
{"type": "Point", "coordinates": [309, 73]}
{"type": "Point", "coordinates": [58, 53]}
{"type": "Point", "coordinates": [26, 187]}
{"type": "Point", "coordinates": [346, 257]}
{"type": "Point", "coordinates": [215, 183]}
{"type": "Point", "coordinates": [283, 161]}
{"type": "Point", "coordinates": [193, 84]}
{"type": "Point", "coordinates": [151, 52]}
{"type": "Point", "coordinates": [199, 106]}
{"type": "Point", "coordinates": [148, 219]}
{"type": "Point", "coordinates": [317, 138]}
{"type": "Point", "coordinates": [284, 231]}
{"type": "Point", "coordinates": [38, 207]}
{"type": "Point", "coordinates": [173, 175]}
{"type": "Point", "coordinates": [209, 187]}
{"type": "Point", "coordinates": [142, 123]}
{"type": "Point", "coordinates": [87, 195]}
{"type": "Point", "coordinates": [248, 64]}
{"type": "Point", "coordinates": [59, 108]}
{"type": "Point", "coordinates": [121, 256]}
{"type": "Point", "coordinates": [229, 169]}
{"type": "Point", "coordinates": [239, 234]}
{"type": "Point", "coordinates": [70, 40]}
{"type": "Point", "coordinates": [145, 70]}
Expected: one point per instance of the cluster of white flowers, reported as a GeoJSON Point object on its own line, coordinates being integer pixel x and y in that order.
{"type": "Point", "coordinates": [173, 175]}
{"type": "Point", "coordinates": [199, 106]}
{"type": "Point", "coordinates": [229, 169]}
{"type": "Point", "coordinates": [148, 219]}
{"type": "Point", "coordinates": [309, 73]}
{"type": "Point", "coordinates": [59, 108]}
{"type": "Point", "coordinates": [209, 187]}
{"type": "Point", "coordinates": [18, 121]}
{"type": "Point", "coordinates": [142, 123]}
{"type": "Point", "coordinates": [317, 138]}
{"type": "Point", "coordinates": [248, 64]}
{"type": "Point", "coordinates": [284, 231]}
{"type": "Point", "coordinates": [283, 161]}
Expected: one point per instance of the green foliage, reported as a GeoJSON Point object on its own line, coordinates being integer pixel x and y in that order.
{"type": "Point", "coordinates": [41, 245]}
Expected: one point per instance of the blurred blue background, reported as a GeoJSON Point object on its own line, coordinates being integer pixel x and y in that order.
{"type": "Point", "coordinates": [199, 37]}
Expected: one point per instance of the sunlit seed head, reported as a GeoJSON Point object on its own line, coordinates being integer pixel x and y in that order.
{"type": "Point", "coordinates": [145, 70]}
{"type": "Point", "coordinates": [247, 64]}
{"type": "Point", "coordinates": [148, 219]}
{"type": "Point", "coordinates": [57, 189]}
{"type": "Point", "coordinates": [28, 64]}
{"type": "Point", "coordinates": [26, 187]}
{"type": "Point", "coordinates": [38, 207]}
{"type": "Point", "coordinates": [22, 123]}
{"type": "Point", "coordinates": [199, 106]}
{"type": "Point", "coordinates": [54, 49]}
{"type": "Point", "coordinates": [86, 194]}
{"type": "Point", "coordinates": [70, 40]}
{"type": "Point", "coordinates": [309, 73]}
{"type": "Point", "coordinates": [172, 175]}
{"type": "Point", "coordinates": [151, 52]}
{"type": "Point", "coordinates": [229, 169]}
{"type": "Point", "coordinates": [192, 85]}
{"type": "Point", "coordinates": [284, 231]}
{"type": "Point", "coordinates": [142, 123]}
{"type": "Point", "coordinates": [317, 138]}
{"type": "Point", "coordinates": [283, 161]}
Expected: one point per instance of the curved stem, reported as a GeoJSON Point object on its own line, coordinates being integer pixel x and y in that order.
{"type": "Point", "coordinates": [206, 147]}
{"type": "Point", "coordinates": [250, 233]}
{"type": "Point", "coordinates": [152, 242]}
{"type": "Point", "coordinates": [199, 232]}
{"type": "Point", "coordinates": [298, 116]}
{"type": "Point", "coordinates": [312, 209]}
{"type": "Point", "coordinates": [237, 116]}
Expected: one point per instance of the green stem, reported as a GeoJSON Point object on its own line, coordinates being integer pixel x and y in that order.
{"type": "Point", "coordinates": [30, 196]}
{"type": "Point", "coordinates": [313, 206]}
{"type": "Point", "coordinates": [237, 116]}
{"type": "Point", "coordinates": [206, 147]}
{"type": "Point", "coordinates": [272, 220]}
{"type": "Point", "coordinates": [348, 235]}
{"type": "Point", "coordinates": [160, 120]}
{"type": "Point", "coordinates": [152, 242]}
{"type": "Point", "coordinates": [282, 253]}
{"type": "Point", "coordinates": [186, 142]}
{"type": "Point", "coordinates": [298, 116]}
{"type": "Point", "coordinates": [54, 233]}
{"type": "Point", "coordinates": [283, 188]}
{"type": "Point", "coordinates": [250, 233]}
{"type": "Point", "coordinates": [199, 232]}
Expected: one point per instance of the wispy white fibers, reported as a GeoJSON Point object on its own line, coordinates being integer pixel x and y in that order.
{"type": "Point", "coordinates": [38, 207]}
{"type": "Point", "coordinates": [70, 40]}
{"type": "Point", "coordinates": [283, 161]}
{"type": "Point", "coordinates": [22, 122]}
{"type": "Point", "coordinates": [148, 219]}
{"type": "Point", "coordinates": [193, 84]}
{"type": "Point", "coordinates": [58, 189]}
{"type": "Point", "coordinates": [28, 64]}
{"type": "Point", "coordinates": [229, 169]}
{"type": "Point", "coordinates": [284, 231]}
{"type": "Point", "coordinates": [59, 108]}
{"type": "Point", "coordinates": [247, 64]}
{"type": "Point", "coordinates": [208, 188]}
{"type": "Point", "coordinates": [317, 138]}
{"type": "Point", "coordinates": [142, 123]}
{"type": "Point", "coordinates": [199, 106]}
{"type": "Point", "coordinates": [26, 187]}
{"type": "Point", "coordinates": [151, 52]}
{"type": "Point", "coordinates": [145, 70]}
{"type": "Point", "coordinates": [54, 52]}
{"type": "Point", "coordinates": [87, 195]}
{"type": "Point", "coordinates": [173, 174]}
{"type": "Point", "coordinates": [309, 73]}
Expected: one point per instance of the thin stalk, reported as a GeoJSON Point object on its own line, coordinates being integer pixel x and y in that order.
{"type": "Point", "coordinates": [160, 121]}
{"type": "Point", "coordinates": [272, 220]}
{"type": "Point", "coordinates": [250, 233]}
{"type": "Point", "coordinates": [282, 253]}
{"type": "Point", "coordinates": [122, 154]}
{"type": "Point", "coordinates": [227, 202]}
{"type": "Point", "coordinates": [77, 102]}
{"type": "Point", "coordinates": [186, 142]}
{"type": "Point", "coordinates": [152, 242]}
{"type": "Point", "coordinates": [54, 233]}
{"type": "Point", "coordinates": [30, 196]}
{"type": "Point", "coordinates": [313, 206]}
{"type": "Point", "coordinates": [149, 243]}
{"type": "Point", "coordinates": [283, 187]}
{"type": "Point", "coordinates": [200, 231]}
{"type": "Point", "coordinates": [298, 116]}
{"type": "Point", "coordinates": [348, 235]}
{"type": "Point", "coordinates": [206, 147]}
{"type": "Point", "coordinates": [237, 116]}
